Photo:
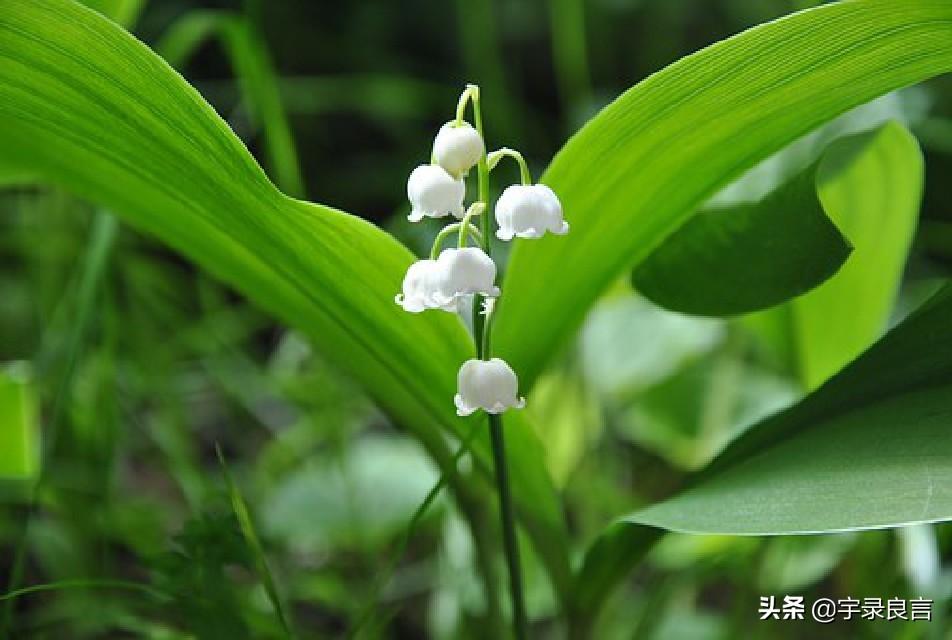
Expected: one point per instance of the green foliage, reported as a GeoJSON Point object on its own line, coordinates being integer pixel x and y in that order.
{"type": "Point", "coordinates": [646, 396]}
{"type": "Point", "coordinates": [864, 451]}
{"type": "Point", "coordinates": [92, 109]}
{"type": "Point", "coordinates": [874, 198]}
{"type": "Point", "coordinates": [636, 172]}
{"type": "Point", "coordinates": [193, 573]}
{"type": "Point", "coordinates": [739, 259]}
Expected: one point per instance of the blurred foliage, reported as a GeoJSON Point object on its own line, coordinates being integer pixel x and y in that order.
{"type": "Point", "coordinates": [140, 364]}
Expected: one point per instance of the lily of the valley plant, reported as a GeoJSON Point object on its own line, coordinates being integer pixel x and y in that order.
{"type": "Point", "coordinates": [450, 277]}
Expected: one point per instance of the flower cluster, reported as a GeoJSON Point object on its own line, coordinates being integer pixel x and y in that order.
{"type": "Point", "coordinates": [450, 276]}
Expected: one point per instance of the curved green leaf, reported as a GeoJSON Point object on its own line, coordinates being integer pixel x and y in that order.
{"type": "Point", "coordinates": [86, 106]}
{"type": "Point", "coordinates": [875, 201]}
{"type": "Point", "coordinates": [751, 256]}
{"type": "Point", "coordinates": [869, 449]}
{"type": "Point", "coordinates": [634, 174]}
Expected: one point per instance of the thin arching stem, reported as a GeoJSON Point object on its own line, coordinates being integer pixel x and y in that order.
{"type": "Point", "coordinates": [448, 231]}
{"type": "Point", "coordinates": [524, 173]}
{"type": "Point", "coordinates": [474, 210]}
{"type": "Point", "coordinates": [470, 93]}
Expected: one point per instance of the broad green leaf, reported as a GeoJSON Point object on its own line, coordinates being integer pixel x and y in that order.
{"type": "Point", "coordinates": [868, 449]}
{"type": "Point", "coordinates": [86, 106]}
{"type": "Point", "coordinates": [747, 257]}
{"type": "Point", "coordinates": [634, 173]}
{"type": "Point", "coordinates": [19, 424]}
{"type": "Point", "coordinates": [256, 76]}
{"type": "Point", "coordinates": [875, 201]}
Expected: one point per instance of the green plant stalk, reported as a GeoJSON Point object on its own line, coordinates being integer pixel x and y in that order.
{"type": "Point", "coordinates": [465, 226]}
{"type": "Point", "coordinates": [511, 544]}
{"type": "Point", "coordinates": [481, 334]}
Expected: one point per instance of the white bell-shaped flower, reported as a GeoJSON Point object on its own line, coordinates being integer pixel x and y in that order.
{"type": "Point", "coordinates": [457, 148]}
{"type": "Point", "coordinates": [528, 211]}
{"type": "Point", "coordinates": [434, 193]}
{"type": "Point", "coordinates": [463, 272]}
{"type": "Point", "coordinates": [490, 385]}
{"type": "Point", "coordinates": [421, 289]}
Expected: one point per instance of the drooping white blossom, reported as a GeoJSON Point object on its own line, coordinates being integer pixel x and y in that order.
{"type": "Point", "coordinates": [490, 385]}
{"type": "Point", "coordinates": [421, 287]}
{"type": "Point", "coordinates": [441, 283]}
{"type": "Point", "coordinates": [457, 148]}
{"type": "Point", "coordinates": [528, 211]}
{"type": "Point", "coordinates": [463, 272]}
{"type": "Point", "coordinates": [434, 193]}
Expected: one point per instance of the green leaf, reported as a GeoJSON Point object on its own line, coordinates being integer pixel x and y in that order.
{"type": "Point", "coordinates": [19, 424]}
{"type": "Point", "coordinates": [636, 172]}
{"type": "Point", "coordinates": [747, 257]}
{"type": "Point", "coordinates": [86, 106]}
{"type": "Point", "coordinates": [868, 449]}
{"type": "Point", "coordinates": [875, 200]}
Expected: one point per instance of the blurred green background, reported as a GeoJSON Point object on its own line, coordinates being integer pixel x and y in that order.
{"type": "Point", "coordinates": [127, 366]}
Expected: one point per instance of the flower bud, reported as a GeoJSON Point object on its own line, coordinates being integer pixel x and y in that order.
{"type": "Point", "coordinates": [457, 148]}
{"type": "Point", "coordinates": [463, 272]}
{"type": "Point", "coordinates": [528, 211]}
{"type": "Point", "coordinates": [421, 289]}
{"type": "Point", "coordinates": [490, 385]}
{"type": "Point", "coordinates": [434, 193]}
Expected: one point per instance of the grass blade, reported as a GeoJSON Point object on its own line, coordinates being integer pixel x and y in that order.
{"type": "Point", "coordinates": [247, 527]}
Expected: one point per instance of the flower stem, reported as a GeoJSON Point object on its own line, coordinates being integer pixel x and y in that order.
{"type": "Point", "coordinates": [470, 93]}
{"type": "Point", "coordinates": [474, 210]}
{"type": "Point", "coordinates": [524, 173]}
{"type": "Point", "coordinates": [511, 544]}
{"type": "Point", "coordinates": [449, 230]}
{"type": "Point", "coordinates": [482, 177]}
{"type": "Point", "coordinates": [484, 351]}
